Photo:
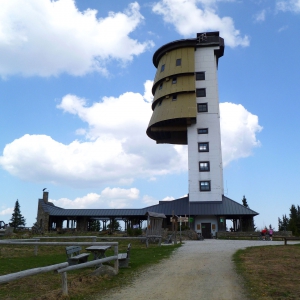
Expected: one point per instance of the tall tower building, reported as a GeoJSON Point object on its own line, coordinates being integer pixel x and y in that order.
{"type": "Point", "coordinates": [186, 109]}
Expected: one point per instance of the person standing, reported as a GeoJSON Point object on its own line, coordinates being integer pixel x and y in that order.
{"type": "Point", "coordinates": [263, 233]}
{"type": "Point", "coordinates": [271, 233]}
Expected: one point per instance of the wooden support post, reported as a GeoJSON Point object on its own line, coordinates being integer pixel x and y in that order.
{"type": "Point", "coordinates": [64, 281]}
{"type": "Point", "coordinates": [35, 250]}
{"type": "Point", "coordinates": [116, 252]}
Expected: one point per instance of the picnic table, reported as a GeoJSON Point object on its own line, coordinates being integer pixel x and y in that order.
{"type": "Point", "coordinates": [98, 251]}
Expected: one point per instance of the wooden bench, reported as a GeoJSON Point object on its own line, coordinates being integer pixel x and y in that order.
{"type": "Point", "coordinates": [74, 256]}
{"type": "Point", "coordinates": [169, 239]}
{"type": "Point", "coordinates": [124, 258]}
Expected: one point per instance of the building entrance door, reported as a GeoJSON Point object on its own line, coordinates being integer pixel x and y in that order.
{"type": "Point", "coordinates": [206, 230]}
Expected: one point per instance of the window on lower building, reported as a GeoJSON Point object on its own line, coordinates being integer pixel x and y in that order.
{"type": "Point", "coordinates": [200, 76]}
{"type": "Point", "coordinates": [202, 130]}
{"type": "Point", "coordinates": [160, 86]}
{"type": "Point", "coordinates": [178, 62]}
{"type": "Point", "coordinates": [203, 147]}
{"type": "Point", "coordinates": [174, 98]}
{"type": "Point", "coordinates": [200, 92]}
{"type": "Point", "coordinates": [174, 80]}
{"type": "Point", "coordinates": [202, 107]}
{"type": "Point", "coordinates": [162, 68]}
{"type": "Point", "coordinates": [204, 166]}
{"type": "Point", "coordinates": [204, 186]}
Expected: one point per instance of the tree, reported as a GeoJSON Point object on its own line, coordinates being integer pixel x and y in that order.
{"type": "Point", "coordinates": [17, 219]}
{"type": "Point", "coordinates": [95, 225]}
{"type": "Point", "coordinates": [114, 226]}
{"type": "Point", "coordinates": [247, 224]}
{"type": "Point", "coordinates": [244, 201]}
{"type": "Point", "coordinates": [292, 223]}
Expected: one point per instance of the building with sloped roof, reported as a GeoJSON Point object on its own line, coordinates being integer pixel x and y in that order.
{"type": "Point", "coordinates": [210, 217]}
{"type": "Point", "coordinates": [185, 112]}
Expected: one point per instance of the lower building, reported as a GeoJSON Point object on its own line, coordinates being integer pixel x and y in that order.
{"type": "Point", "coordinates": [203, 217]}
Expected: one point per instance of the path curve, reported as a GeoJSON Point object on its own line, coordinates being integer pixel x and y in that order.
{"type": "Point", "coordinates": [197, 270]}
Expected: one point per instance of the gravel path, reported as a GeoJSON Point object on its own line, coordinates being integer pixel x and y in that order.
{"type": "Point", "coordinates": [197, 270]}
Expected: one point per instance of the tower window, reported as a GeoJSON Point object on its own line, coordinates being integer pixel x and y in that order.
{"type": "Point", "coordinates": [162, 68]}
{"type": "Point", "coordinates": [202, 130]}
{"type": "Point", "coordinates": [174, 98]}
{"type": "Point", "coordinates": [204, 166]}
{"type": "Point", "coordinates": [200, 92]}
{"type": "Point", "coordinates": [178, 62]}
{"type": "Point", "coordinates": [160, 86]}
{"type": "Point", "coordinates": [203, 147]}
{"type": "Point", "coordinates": [200, 76]}
{"type": "Point", "coordinates": [160, 102]}
{"type": "Point", "coordinates": [174, 80]}
{"type": "Point", "coordinates": [204, 186]}
{"type": "Point", "coordinates": [202, 107]}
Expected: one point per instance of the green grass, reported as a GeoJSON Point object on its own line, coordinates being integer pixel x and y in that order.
{"type": "Point", "coordinates": [15, 258]}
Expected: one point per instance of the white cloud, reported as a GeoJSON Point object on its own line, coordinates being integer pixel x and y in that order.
{"type": "Point", "coordinates": [288, 5]}
{"type": "Point", "coordinates": [148, 200]}
{"type": "Point", "coordinates": [6, 211]}
{"type": "Point", "coordinates": [238, 129]}
{"type": "Point", "coordinates": [117, 150]}
{"type": "Point", "coordinates": [109, 198]}
{"type": "Point", "coordinates": [45, 38]}
{"type": "Point", "coordinates": [260, 16]}
{"type": "Point", "coordinates": [168, 198]}
{"type": "Point", "coordinates": [188, 19]}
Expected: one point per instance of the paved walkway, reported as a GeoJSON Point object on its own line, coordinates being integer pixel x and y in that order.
{"type": "Point", "coordinates": [197, 270]}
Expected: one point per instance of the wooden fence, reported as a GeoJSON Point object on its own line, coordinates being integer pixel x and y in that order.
{"type": "Point", "coordinates": [62, 267]}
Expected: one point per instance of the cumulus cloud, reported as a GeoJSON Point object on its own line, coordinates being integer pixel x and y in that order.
{"type": "Point", "coordinates": [117, 150]}
{"type": "Point", "coordinates": [6, 211]}
{"type": "Point", "coordinates": [109, 198]}
{"type": "Point", "coordinates": [47, 38]}
{"type": "Point", "coordinates": [238, 129]}
{"type": "Point", "coordinates": [191, 16]}
{"type": "Point", "coordinates": [288, 5]}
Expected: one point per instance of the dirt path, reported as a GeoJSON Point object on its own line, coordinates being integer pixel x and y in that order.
{"type": "Point", "coordinates": [197, 270]}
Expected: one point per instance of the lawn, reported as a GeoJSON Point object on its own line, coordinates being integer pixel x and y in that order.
{"type": "Point", "coordinates": [270, 272]}
{"type": "Point", "coordinates": [46, 286]}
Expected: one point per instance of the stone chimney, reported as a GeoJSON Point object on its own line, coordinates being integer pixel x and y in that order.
{"type": "Point", "coordinates": [45, 197]}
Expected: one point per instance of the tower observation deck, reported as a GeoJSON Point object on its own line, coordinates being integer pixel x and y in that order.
{"type": "Point", "coordinates": [186, 108]}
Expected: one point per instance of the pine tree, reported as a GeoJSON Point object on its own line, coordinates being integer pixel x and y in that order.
{"type": "Point", "coordinates": [95, 225]}
{"type": "Point", "coordinates": [17, 219]}
{"type": "Point", "coordinates": [244, 201]}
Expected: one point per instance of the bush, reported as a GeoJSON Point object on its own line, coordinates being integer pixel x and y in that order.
{"type": "Point", "coordinates": [134, 231]}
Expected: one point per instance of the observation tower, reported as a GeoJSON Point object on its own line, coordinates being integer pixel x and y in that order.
{"type": "Point", "coordinates": [186, 109]}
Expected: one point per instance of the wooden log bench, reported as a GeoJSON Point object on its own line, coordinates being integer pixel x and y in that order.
{"type": "Point", "coordinates": [124, 258]}
{"type": "Point", "coordinates": [74, 255]}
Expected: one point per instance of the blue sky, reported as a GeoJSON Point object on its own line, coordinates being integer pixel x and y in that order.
{"type": "Point", "coordinates": [75, 102]}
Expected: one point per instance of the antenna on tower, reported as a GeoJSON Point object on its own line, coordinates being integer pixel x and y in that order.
{"type": "Point", "coordinates": [202, 38]}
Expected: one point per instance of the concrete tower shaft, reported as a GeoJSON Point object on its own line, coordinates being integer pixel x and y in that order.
{"type": "Point", "coordinates": [186, 109]}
